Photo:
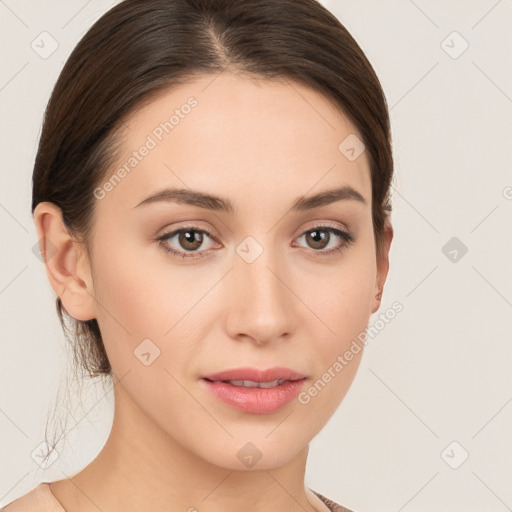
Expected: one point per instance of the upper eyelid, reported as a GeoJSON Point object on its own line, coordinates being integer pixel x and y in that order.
{"type": "Point", "coordinates": [195, 227]}
{"type": "Point", "coordinates": [325, 224]}
{"type": "Point", "coordinates": [314, 224]}
{"type": "Point", "coordinates": [172, 231]}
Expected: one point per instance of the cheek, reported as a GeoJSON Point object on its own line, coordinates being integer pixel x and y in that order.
{"type": "Point", "coordinates": [339, 349]}
{"type": "Point", "coordinates": [136, 287]}
{"type": "Point", "coordinates": [142, 318]}
{"type": "Point", "coordinates": [142, 296]}
{"type": "Point", "coordinates": [342, 296]}
{"type": "Point", "coordinates": [341, 299]}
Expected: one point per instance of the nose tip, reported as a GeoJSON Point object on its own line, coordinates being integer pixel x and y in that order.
{"type": "Point", "coordinates": [261, 305]}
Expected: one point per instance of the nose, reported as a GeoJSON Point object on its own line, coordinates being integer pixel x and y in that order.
{"type": "Point", "coordinates": [261, 304]}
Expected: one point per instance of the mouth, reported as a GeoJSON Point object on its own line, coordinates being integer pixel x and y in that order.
{"type": "Point", "coordinates": [254, 383]}
{"type": "Point", "coordinates": [255, 375]}
{"type": "Point", "coordinates": [255, 391]}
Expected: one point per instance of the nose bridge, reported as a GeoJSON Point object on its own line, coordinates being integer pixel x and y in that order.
{"type": "Point", "coordinates": [260, 304]}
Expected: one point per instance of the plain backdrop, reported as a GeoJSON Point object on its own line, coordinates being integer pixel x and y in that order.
{"type": "Point", "coordinates": [427, 422]}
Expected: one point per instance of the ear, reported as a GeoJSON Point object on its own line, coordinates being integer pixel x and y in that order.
{"type": "Point", "coordinates": [383, 264]}
{"type": "Point", "coordinates": [67, 264]}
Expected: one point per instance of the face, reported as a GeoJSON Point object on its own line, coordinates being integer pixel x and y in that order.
{"type": "Point", "coordinates": [254, 276]}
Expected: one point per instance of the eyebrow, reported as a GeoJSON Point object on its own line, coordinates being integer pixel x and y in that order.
{"type": "Point", "coordinates": [215, 203]}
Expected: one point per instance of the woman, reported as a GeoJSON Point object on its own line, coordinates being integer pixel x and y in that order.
{"type": "Point", "coordinates": [211, 196]}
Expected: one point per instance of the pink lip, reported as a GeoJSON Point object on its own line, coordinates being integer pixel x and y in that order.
{"type": "Point", "coordinates": [256, 375]}
{"type": "Point", "coordinates": [255, 400]}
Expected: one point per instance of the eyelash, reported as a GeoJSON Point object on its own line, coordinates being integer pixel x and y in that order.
{"type": "Point", "coordinates": [346, 237]}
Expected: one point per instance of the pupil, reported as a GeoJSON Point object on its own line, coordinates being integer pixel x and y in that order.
{"type": "Point", "coordinates": [192, 236]}
{"type": "Point", "coordinates": [318, 238]}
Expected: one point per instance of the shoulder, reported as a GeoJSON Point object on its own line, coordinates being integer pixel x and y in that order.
{"type": "Point", "coordinates": [39, 499]}
{"type": "Point", "coordinates": [331, 505]}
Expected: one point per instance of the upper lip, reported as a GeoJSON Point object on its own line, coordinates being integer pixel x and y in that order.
{"type": "Point", "coordinates": [253, 374]}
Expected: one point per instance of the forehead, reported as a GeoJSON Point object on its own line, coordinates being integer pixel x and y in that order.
{"type": "Point", "coordinates": [239, 137]}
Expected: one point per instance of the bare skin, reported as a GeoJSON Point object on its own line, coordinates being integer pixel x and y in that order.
{"type": "Point", "coordinates": [262, 145]}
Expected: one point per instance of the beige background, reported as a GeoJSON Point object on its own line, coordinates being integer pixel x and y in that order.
{"type": "Point", "coordinates": [438, 373]}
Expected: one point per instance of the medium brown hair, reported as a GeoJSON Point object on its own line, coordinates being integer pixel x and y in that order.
{"type": "Point", "coordinates": [142, 47]}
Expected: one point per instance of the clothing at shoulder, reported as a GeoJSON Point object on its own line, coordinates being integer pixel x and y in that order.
{"type": "Point", "coordinates": [331, 505]}
{"type": "Point", "coordinates": [39, 499]}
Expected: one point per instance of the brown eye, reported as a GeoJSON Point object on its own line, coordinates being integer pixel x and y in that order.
{"type": "Point", "coordinates": [185, 242]}
{"type": "Point", "coordinates": [190, 239]}
{"type": "Point", "coordinates": [318, 239]}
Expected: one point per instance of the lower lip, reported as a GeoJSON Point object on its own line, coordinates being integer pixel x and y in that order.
{"type": "Point", "coordinates": [256, 400]}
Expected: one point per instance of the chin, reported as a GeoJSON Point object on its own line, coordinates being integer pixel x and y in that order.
{"type": "Point", "coordinates": [253, 452]}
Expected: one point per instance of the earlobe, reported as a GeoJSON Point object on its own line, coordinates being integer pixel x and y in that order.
{"type": "Point", "coordinates": [67, 265]}
{"type": "Point", "coordinates": [376, 302]}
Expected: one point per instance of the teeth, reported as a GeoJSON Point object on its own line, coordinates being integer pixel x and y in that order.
{"type": "Point", "coordinates": [244, 383]}
{"type": "Point", "coordinates": [272, 384]}
{"type": "Point", "coordinates": [254, 384]}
